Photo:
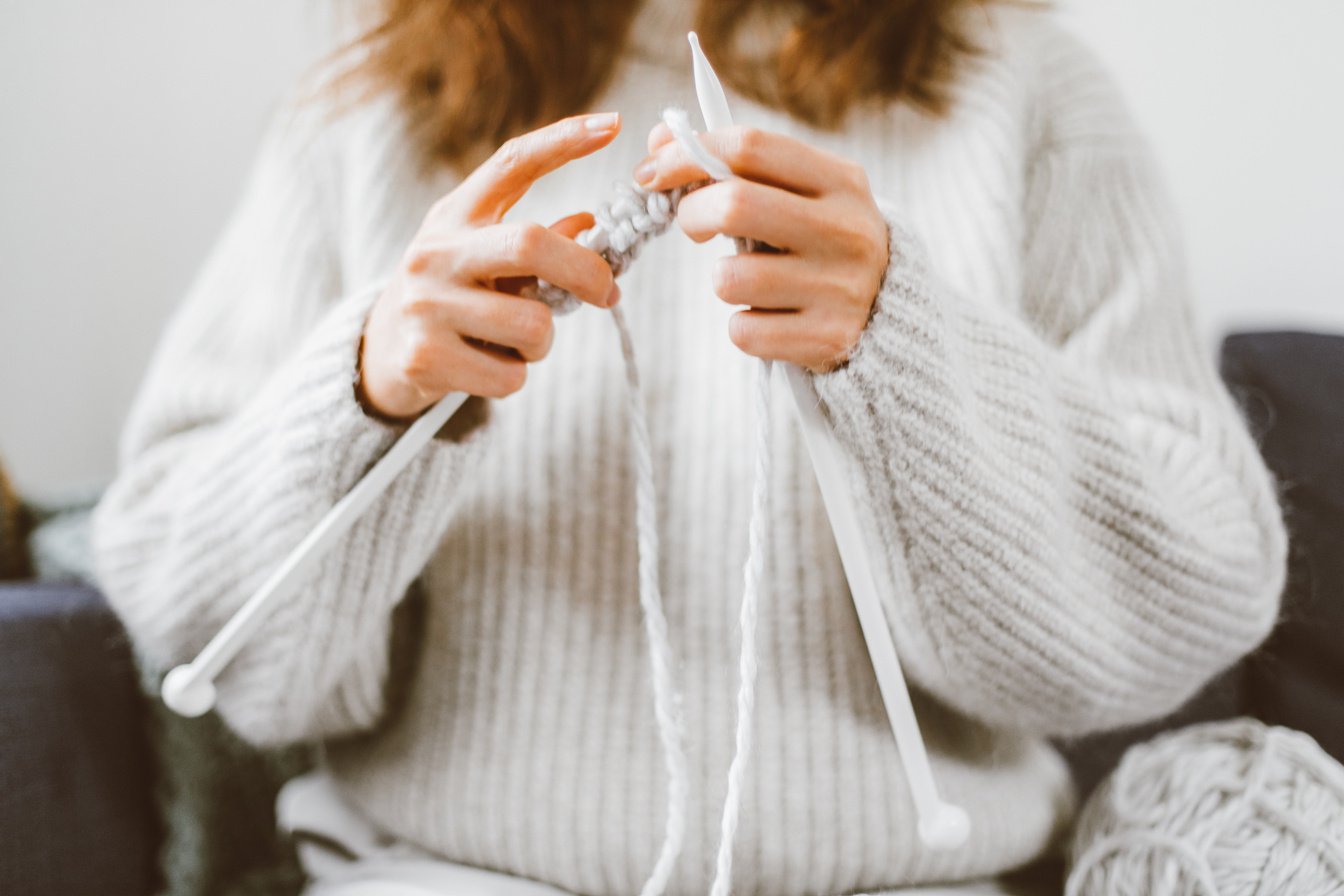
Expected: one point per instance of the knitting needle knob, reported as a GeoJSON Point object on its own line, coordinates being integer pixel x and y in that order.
{"type": "Point", "coordinates": [187, 692]}
{"type": "Point", "coordinates": [944, 826]}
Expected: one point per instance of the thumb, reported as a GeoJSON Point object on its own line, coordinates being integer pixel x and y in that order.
{"type": "Point", "coordinates": [572, 225]}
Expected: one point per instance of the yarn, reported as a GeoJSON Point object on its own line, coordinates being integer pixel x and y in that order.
{"type": "Point", "coordinates": [1231, 808]}
{"type": "Point", "coordinates": [667, 710]}
{"type": "Point", "coordinates": [622, 227]}
{"type": "Point", "coordinates": [753, 573]}
{"type": "Point", "coordinates": [626, 223]}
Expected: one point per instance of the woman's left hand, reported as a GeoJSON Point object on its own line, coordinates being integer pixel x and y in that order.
{"type": "Point", "coordinates": [810, 302]}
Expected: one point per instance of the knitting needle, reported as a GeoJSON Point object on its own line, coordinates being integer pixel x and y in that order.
{"type": "Point", "coordinates": [189, 690]}
{"type": "Point", "coordinates": [942, 825]}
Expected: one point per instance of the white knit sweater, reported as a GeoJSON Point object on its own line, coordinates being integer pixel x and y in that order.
{"type": "Point", "coordinates": [1077, 528]}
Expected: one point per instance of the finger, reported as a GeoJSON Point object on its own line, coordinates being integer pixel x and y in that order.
{"type": "Point", "coordinates": [450, 363]}
{"type": "Point", "coordinates": [524, 326]}
{"type": "Point", "coordinates": [519, 250]}
{"type": "Point", "coordinates": [501, 180]}
{"type": "Point", "coordinates": [569, 227]}
{"type": "Point", "coordinates": [743, 208]}
{"type": "Point", "coordinates": [490, 374]}
{"type": "Point", "coordinates": [659, 136]}
{"type": "Point", "coordinates": [815, 341]}
{"type": "Point", "coordinates": [778, 282]}
{"type": "Point", "coordinates": [757, 155]}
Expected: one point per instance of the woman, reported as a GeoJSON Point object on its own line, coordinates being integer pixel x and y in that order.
{"type": "Point", "coordinates": [982, 277]}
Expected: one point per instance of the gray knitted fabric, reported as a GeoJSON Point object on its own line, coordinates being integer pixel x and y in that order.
{"type": "Point", "coordinates": [622, 227]}
{"type": "Point", "coordinates": [1074, 528]}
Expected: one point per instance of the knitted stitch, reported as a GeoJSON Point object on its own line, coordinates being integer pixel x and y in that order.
{"type": "Point", "coordinates": [1076, 527]}
{"type": "Point", "coordinates": [623, 226]}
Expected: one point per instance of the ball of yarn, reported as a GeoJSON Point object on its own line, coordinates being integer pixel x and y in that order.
{"type": "Point", "coordinates": [1230, 808]}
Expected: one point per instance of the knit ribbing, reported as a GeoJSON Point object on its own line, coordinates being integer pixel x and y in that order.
{"type": "Point", "coordinates": [1076, 526]}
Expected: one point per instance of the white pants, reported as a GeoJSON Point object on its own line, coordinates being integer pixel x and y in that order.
{"type": "Point", "coordinates": [344, 855]}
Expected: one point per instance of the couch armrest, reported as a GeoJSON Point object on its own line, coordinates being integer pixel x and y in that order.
{"type": "Point", "coordinates": [1290, 385]}
{"type": "Point", "coordinates": [76, 777]}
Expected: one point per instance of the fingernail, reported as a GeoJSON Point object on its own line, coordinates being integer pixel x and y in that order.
{"type": "Point", "coordinates": [645, 172]}
{"type": "Point", "coordinates": [604, 122]}
{"type": "Point", "coordinates": [614, 296]}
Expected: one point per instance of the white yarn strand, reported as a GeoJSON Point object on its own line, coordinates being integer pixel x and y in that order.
{"type": "Point", "coordinates": [622, 227]}
{"type": "Point", "coordinates": [748, 660]}
{"type": "Point", "coordinates": [667, 709]}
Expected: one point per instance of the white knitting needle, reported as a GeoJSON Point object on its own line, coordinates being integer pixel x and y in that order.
{"type": "Point", "coordinates": [189, 690]}
{"type": "Point", "coordinates": [942, 825]}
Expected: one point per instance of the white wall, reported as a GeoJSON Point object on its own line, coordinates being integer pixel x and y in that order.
{"type": "Point", "coordinates": [128, 126]}
{"type": "Point", "coordinates": [1244, 101]}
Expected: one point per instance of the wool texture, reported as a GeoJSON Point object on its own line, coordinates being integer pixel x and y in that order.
{"type": "Point", "coordinates": [622, 227]}
{"type": "Point", "coordinates": [1074, 526]}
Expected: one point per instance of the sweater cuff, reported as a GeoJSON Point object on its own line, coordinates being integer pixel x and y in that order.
{"type": "Point", "coordinates": [315, 409]}
{"type": "Point", "coordinates": [326, 373]}
{"type": "Point", "coordinates": [906, 318]}
{"type": "Point", "coordinates": [330, 362]}
{"type": "Point", "coordinates": [320, 444]}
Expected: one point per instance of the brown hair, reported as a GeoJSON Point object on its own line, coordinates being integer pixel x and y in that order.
{"type": "Point", "coordinates": [470, 74]}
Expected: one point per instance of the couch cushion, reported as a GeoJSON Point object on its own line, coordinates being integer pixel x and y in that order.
{"type": "Point", "coordinates": [76, 813]}
{"type": "Point", "coordinates": [1292, 388]}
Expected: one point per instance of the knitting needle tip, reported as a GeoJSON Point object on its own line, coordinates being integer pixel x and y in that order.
{"type": "Point", "coordinates": [708, 90]}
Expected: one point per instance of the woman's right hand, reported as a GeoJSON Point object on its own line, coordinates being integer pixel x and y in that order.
{"type": "Point", "coordinates": [451, 319]}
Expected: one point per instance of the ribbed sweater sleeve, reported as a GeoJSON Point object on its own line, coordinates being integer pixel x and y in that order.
{"type": "Point", "coordinates": [1078, 524]}
{"type": "Point", "coordinates": [244, 433]}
